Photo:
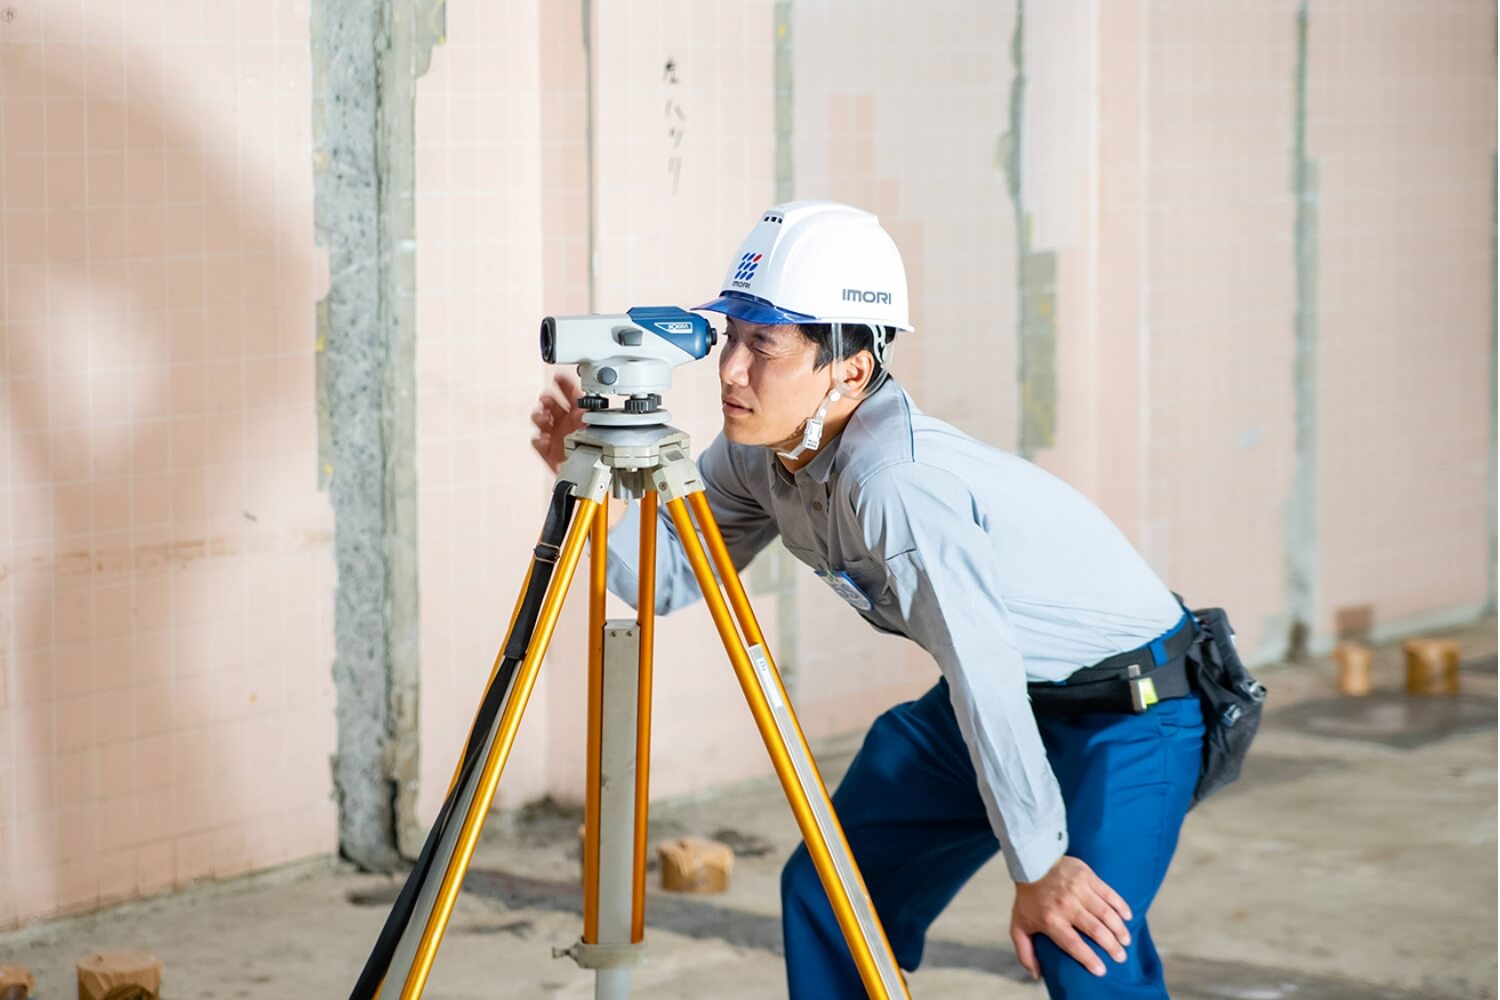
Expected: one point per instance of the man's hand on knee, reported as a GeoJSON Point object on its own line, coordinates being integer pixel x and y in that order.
{"type": "Point", "coordinates": [1068, 899]}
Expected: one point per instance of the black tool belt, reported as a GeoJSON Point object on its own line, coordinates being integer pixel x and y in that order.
{"type": "Point", "coordinates": [1128, 682]}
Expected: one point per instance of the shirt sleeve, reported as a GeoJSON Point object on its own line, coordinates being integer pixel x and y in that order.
{"type": "Point", "coordinates": [747, 528]}
{"type": "Point", "coordinates": [941, 567]}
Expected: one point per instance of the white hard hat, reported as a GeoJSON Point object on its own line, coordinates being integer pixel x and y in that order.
{"type": "Point", "coordinates": [816, 262]}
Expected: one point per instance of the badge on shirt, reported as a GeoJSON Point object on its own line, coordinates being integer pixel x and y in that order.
{"type": "Point", "coordinates": [843, 585]}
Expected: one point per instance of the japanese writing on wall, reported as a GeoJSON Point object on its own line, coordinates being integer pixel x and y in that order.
{"type": "Point", "coordinates": [676, 121]}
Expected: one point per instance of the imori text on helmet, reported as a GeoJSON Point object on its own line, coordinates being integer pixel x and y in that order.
{"type": "Point", "coordinates": [857, 295]}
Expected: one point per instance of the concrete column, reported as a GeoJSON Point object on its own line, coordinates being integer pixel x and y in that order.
{"type": "Point", "coordinates": [366, 61]}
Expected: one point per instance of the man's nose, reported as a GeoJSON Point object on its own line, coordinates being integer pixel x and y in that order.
{"type": "Point", "coordinates": [732, 365]}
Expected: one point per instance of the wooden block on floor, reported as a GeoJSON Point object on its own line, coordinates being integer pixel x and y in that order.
{"type": "Point", "coordinates": [1432, 665]}
{"type": "Point", "coordinates": [693, 864]}
{"type": "Point", "coordinates": [16, 983]}
{"type": "Point", "coordinates": [1353, 661]}
{"type": "Point", "coordinates": [119, 975]}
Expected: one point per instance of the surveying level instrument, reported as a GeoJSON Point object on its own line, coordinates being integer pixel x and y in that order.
{"type": "Point", "coordinates": [630, 453]}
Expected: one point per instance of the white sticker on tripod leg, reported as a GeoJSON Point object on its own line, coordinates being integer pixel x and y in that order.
{"type": "Point", "coordinates": [766, 674]}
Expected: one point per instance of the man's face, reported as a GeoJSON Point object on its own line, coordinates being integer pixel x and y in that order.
{"type": "Point", "coordinates": [767, 383]}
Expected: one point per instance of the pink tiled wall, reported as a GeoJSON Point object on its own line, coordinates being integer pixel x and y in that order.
{"type": "Point", "coordinates": [1191, 290]}
{"type": "Point", "coordinates": [1401, 125]}
{"type": "Point", "coordinates": [1116, 393]}
{"type": "Point", "coordinates": [165, 570]}
{"type": "Point", "coordinates": [901, 110]}
{"type": "Point", "coordinates": [1061, 170]}
{"type": "Point", "coordinates": [1219, 292]}
{"type": "Point", "coordinates": [479, 303]}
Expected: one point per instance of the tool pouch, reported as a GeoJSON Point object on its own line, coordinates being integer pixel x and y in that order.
{"type": "Point", "coordinates": [1232, 701]}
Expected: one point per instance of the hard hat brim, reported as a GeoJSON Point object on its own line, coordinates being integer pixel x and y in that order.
{"type": "Point", "coordinates": [754, 310]}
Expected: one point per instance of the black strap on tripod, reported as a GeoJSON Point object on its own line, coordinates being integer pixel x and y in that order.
{"type": "Point", "coordinates": [544, 562]}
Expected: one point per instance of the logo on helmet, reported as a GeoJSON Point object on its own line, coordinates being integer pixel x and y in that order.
{"type": "Point", "coordinates": [746, 270]}
{"type": "Point", "coordinates": [859, 295]}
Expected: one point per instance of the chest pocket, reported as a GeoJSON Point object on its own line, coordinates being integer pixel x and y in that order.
{"type": "Point", "coordinates": [883, 614]}
{"type": "Point", "coordinates": [869, 576]}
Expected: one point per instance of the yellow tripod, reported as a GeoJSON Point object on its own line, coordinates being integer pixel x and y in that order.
{"type": "Point", "coordinates": [636, 456]}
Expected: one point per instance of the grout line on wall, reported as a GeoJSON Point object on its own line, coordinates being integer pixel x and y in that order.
{"type": "Point", "coordinates": [1095, 181]}
{"type": "Point", "coordinates": [589, 137]}
{"type": "Point", "coordinates": [782, 564]}
{"type": "Point", "coordinates": [1148, 541]}
{"type": "Point", "coordinates": [784, 49]}
{"type": "Point", "coordinates": [1494, 452]}
{"type": "Point", "coordinates": [1301, 514]}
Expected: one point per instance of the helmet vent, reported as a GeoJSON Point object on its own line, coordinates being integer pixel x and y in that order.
{"type": "Point", "coordinates": [772, 217]}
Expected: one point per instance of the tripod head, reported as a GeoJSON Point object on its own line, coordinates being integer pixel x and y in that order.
{"type": "Point", "coordinates": [630, 355]}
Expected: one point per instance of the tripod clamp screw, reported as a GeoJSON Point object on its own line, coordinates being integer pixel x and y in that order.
{"type": "Point", "coordinates": [604, 956]}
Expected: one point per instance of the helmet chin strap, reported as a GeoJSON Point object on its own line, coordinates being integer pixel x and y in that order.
{"type": "Point", "coordinates": [812, 431]}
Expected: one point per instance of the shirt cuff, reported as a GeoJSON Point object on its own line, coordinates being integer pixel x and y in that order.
{"type": "Point", "coordinates": [1032, 858]}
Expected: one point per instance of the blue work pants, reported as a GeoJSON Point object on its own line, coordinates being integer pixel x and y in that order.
{"type": "Point", "coordinates": [911, 810]}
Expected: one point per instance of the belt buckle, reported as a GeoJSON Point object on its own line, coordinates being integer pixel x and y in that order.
{"type": "Point", "coordinates": [1142, 690]}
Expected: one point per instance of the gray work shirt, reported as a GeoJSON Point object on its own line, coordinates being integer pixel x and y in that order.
{"type": "Point", "coordinates": [999, 570]}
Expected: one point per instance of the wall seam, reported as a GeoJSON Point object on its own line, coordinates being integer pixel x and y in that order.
{"type": "Point", "coordinates": [1143, 299]}
{"type": "Point", "coordinates": [783, 566]}
{"type": "Point", "coordinates": [1036, 277]}
{"type": "Point", "coordinates": [1091, 443]}
{"type": "Point", "coordinates": [1494, 507]}
{"type": "Point", "coordinates": [588, 125]}
{"type": "Point", "coordinates": [1301, 518]}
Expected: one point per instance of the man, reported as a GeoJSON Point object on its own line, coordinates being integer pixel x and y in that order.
{"type": "Point", "coordinates": [1004, 574]}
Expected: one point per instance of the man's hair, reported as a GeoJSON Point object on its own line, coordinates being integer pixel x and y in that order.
{"type": "Point", "coordinates": [856, 337]}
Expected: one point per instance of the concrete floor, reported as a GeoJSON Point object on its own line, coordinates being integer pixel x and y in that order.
{"type": "Point", "coordinates": [1355, 859]}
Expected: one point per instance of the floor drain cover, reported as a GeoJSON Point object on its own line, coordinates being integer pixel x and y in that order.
{"type": "Point", "coordinates": [1389, 718]}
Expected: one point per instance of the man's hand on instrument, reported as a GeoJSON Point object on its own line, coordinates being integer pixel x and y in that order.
{"type": "Point", "coordinates": [556, 416]}
{"type": "Point", "coordinates": [1068, 899]}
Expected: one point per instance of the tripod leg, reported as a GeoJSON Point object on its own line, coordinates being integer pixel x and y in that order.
{"type": "Point", "coordinates": [488, 780]}
{"type": "Point", "coordinates": [617, 764]}
{"type": "Point", "coordinates": [394, 948]}
{"type": "Point", "coordinates": [614, 845]}
{"type": "Point", "coordinates": [789, 753]}
{"type": "Point", "coordinates": [646, 618]}
{"type": "Point", "coordinates": [515, 616]}
{"type": "Point", "coordinates": [598, 549]}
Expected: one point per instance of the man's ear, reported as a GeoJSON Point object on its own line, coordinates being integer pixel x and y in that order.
{"type": "Point", "coordinates": [856, 373]}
